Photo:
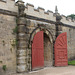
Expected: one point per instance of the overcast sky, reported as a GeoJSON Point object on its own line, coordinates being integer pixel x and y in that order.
{"type": "Point", "coordinates": [65, 7]}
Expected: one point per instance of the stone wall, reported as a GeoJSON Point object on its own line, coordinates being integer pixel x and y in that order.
{"type": "Point", "coordinates": [30, 10]}
{"type": "Point", "coordinates": [34, 21]}
{"type": "Point", "coordinates": [32, 27]}
{"type": "Point", "coordinates": [70, 41]}
{"type": "Point", "coordinates": [7, 42]}
{"type": "Point", "coordinates": [48, 52]}
{"type": "Point", "coordinates": [8, 5]}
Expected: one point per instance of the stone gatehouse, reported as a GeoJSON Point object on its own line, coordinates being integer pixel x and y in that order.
{"type": "Point", "coordinates": [20, 27]}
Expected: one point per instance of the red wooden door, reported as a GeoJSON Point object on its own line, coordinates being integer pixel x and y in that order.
{"type": "Point", "coordinates": [61, 50]}
{"type": "Point", "coordinates": [38, 51]}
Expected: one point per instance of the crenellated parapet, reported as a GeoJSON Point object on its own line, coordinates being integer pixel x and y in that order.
{"type": "Point", "coordinates": [10, 5]}
{"type": "Point", "coordinates": [49, 15]}
{"type": "Point", "coordinates": [39, 12]}
{"type": "Point", "coordinates": [19, 23]}
{"type": "Point", "coordinates": [67, 20]}
{"type": "Point", "coordinates": [3, 0]}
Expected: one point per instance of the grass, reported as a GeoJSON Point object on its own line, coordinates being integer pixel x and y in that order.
{"type": "Point", "coordinates": [4, 67]}
{"type": "Point", "coordinates": [71, 62]}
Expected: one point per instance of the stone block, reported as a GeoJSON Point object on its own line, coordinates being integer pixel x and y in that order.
{"type": "Point", "coordinates": [21, 68]}
{"type": "Point", "coordinates": [21, 28]}
{"type": "Point", "coordinates": [32, 24]}
{"type": "Point", "coordinates": [21, 61]}
{"type": "Point", "coordinates": [28, 23]}
{"type": "Point", "coordinates": [22, 44]}
{"type": "Point", "coordinates": [21, 52]}
{"type": "Point", "coordinates": [24, 37]}
{"type": "Point", "coordinates": [21, 21]}
{"type": "Point", "coordinates": [21, 57]}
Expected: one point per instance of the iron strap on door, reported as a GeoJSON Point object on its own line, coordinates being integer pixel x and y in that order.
{"type": "Point", "coordinates": [60, 50]}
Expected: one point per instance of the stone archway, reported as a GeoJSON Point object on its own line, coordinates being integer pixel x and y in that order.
{"type": "Point", "coordinates": [38, 29]}
{"type": "Point", "coordinates": [48, 52]}
{"type": "Point", "coordinates": [48, 59]}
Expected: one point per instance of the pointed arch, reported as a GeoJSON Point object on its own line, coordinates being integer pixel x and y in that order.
{"type": "Point", "coordinates": [38, 29]}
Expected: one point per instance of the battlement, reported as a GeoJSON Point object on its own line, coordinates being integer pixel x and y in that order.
{"type": "Point", "coordinates": [49, 15]}
{"type": "Point", "coordinates": [8, 5]}
{"type": "Point", "coordinates": [3, 0]}
{"type": "Point", "coordinates": [6, 0]}
{"type": "Point", "coordinates": [39, 12]}
{"type": "Point", "coordinates": [30, 10]}
{"type": "Point", "coordinates": [68, 20]}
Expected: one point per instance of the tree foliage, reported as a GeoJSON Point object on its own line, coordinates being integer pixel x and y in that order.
{"type": "Point", "coordinates": [72, 16]}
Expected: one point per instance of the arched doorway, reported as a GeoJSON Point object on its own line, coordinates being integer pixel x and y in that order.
{"type": "Point", "coordinates": [42, 52]}
{"type": "Point", "coordinates": [48, 52]}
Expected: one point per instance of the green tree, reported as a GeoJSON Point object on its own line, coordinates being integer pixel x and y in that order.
{"type": "Point", "coordinates": [72, 16]}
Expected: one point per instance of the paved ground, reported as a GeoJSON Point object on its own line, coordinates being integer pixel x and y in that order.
{"type": "Point", "coordinates": [69, 70]}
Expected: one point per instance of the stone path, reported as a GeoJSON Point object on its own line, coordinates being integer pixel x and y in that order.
{"type": "Point", "coordinates": [69, 70]}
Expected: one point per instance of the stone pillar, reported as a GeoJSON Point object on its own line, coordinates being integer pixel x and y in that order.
{"type": "Point", "coordinates": [58, 23]}
{"type": "Point", "coordinates": [22, 44]}
{"type": "Point", "coordinates": [21, 49]}
{"type": "Point", "coordinates": [58, 28]}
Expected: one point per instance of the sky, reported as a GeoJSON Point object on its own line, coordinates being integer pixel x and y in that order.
{"type": "Point", "coordinates": [65, 7]}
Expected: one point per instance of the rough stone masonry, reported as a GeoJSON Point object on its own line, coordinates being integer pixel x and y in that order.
{"type": "Point", "coordinates": [18, 26]}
